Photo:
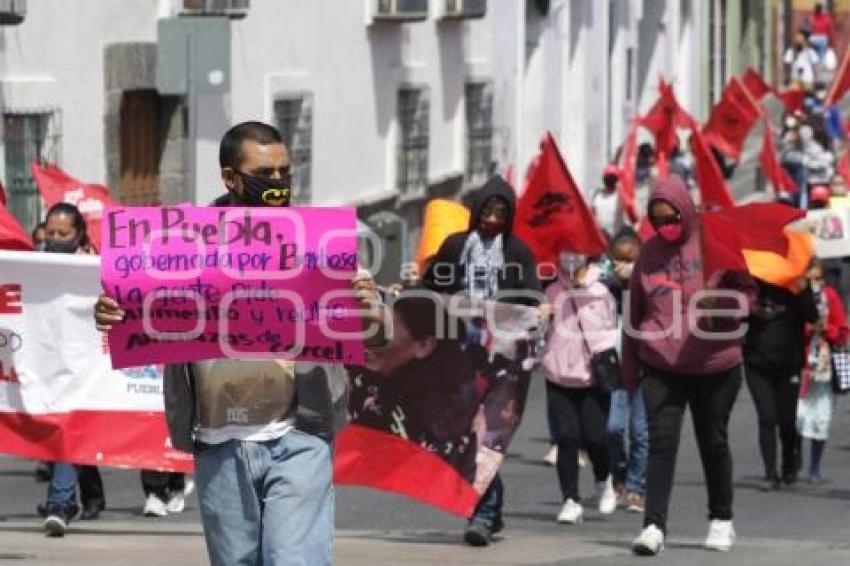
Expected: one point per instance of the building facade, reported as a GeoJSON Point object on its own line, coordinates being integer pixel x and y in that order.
{"type": "Point", "coordinates": [384, 103]}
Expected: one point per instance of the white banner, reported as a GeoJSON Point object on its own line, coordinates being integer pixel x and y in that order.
{"type": "Point", "coordinates": [59, 397]}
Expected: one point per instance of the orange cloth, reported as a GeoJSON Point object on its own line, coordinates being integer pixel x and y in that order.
{"type": "Point", "coordinates": [442, 219]}
{"type": "Point", "coordinates": [783, 271]}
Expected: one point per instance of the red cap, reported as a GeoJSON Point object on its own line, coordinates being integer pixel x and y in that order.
{"type": "Point", "coordinates": [611, 171]}
{"type": "Point", "coordinates": [820, 194]}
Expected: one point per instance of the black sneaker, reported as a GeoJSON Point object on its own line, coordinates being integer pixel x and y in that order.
{"type": "Point", "coordinates": [58, 519]}
{"type": "Point", "coordinates": [477, 534]}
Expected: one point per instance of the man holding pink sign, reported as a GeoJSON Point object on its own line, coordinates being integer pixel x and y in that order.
{"type": "Point", "coordinates": [229, 297]}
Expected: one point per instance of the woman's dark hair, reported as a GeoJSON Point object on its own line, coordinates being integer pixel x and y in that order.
{"type": "Point", "coordinates": [230, 150]}
{"type": "Point", "coordinates": [425, 316]}
{"type": "Point", "coordinates": [77, 220]}
{"type": "Point", "coordinates": [34, 233]}
{"type": "Point", "coordinates": [625, 234]}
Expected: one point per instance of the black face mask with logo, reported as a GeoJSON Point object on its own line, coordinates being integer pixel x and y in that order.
{"type": "Point", "coordinates": [61, 246]}
{"type": "Point", "coordinates": [264, 191]}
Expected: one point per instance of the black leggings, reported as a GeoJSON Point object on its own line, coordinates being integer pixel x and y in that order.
{"type": "Point", "coordinates": [710, 398]}
{"type": "Point", "coordinates": [581, 421]}
{"type": "Point", "coordinates": [775, 398]}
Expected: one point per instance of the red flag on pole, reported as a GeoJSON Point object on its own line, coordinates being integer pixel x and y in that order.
{"type": "Point", "coordinates": [776, 174]}
{"type": "Point", "coordinates": [12, 234]}
{"type": "Point", "coordinates": [754, 83]}
{"type": "Point", "coordinates": [627, 178]}
{"type": "Point", "coordinates": [664, 117]}
{"type": "Point", "coordinates": [552, 215]}
{"type": "Point", "coordinates": [756, 226]}
{"type": "Point", "coordinates": [731, 120]}
{"type": "Point", "coordinates": [841, 82]}
{"type": "Point", "coordinates": [793, 99]}
{"type": "Point", "coordinates": [57, 186]}
{"type": "Point", "coordinates": [712, 186]}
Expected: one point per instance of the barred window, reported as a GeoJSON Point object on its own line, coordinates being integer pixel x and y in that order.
{"type": "Point", "coordinates": [28, 137]}
{"type": "Point", "coordinates": [294, 119]}
{"type": "Point", "coordinates": [412, 171]}
{"type": "Point", "coordinates": [479, 131]}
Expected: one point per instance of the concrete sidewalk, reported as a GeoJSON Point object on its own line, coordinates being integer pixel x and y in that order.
{"type": "Point", "coordinates": [132, 543]}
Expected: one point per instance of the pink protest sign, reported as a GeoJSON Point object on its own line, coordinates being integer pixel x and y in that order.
{"type": "Point", "coordinates": [252, 283]}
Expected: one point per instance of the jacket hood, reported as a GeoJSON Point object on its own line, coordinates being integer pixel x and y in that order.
{"type": "Point", "coordinates": [495, 187]}
{"type": "Point", "coordinates": [673, 190]}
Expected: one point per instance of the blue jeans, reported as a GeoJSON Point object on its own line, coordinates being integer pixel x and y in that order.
{"type": "Point", "coordinates": [627, 408]}
{"type": "Point", "coordinates": [62, 489]}
{"type": "Point", "coordinates": [267, 503]}
{"type": "Point", "coordinates": [488, 512]}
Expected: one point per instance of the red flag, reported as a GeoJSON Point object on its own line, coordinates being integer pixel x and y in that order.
{"type": "Point", "coordinates": [793, 99]}
{"type": "Point", "coordinates": [712, 185]}
{"type": "Point", "coordinates": [664, 117]}
{"type": "Point", "coordinates": [627, 178]}
{"type": "Point", "coordinates": [12, 234]}
{"type": "Point", "coordinates": [757, 226]}
{"type": "Point", "coordinates": [776, 174]}
{"type": "Point", "coordinates": [755, 84]}
{"type": "Point", "coordinates": [841, 82]}
{"type": "Point", "coordinates": [552, 215]}
{"type": "Point", "coordinates": [3, 199]}
{"type": "Point", "coordinates": [57, 186]}
{"type": "Point", "coordinates": [731, 120]}
{"type": "Point", "coordinates": [843, 166]}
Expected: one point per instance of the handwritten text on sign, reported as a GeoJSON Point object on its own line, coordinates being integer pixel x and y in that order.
{"type": "Point", "coordinates": [204, 283]}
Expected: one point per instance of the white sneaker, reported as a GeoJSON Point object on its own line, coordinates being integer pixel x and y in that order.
{"type": "Point", "coordinates": [607, 496]}
{"type": "Point", "coordinates": [551, 456]}
{"type": "Point", "coordinates": [572, 512]}
{"type": "Point", "coordinates": [177, 503]}
{"type": "Point", "coordinates": [582, 459]}
{"type": "Point", "coordinates": [650, 542]}
{"type": "Point", "coordinates": [154, 507]}
{"type": "Point", "coordinates": [721, 535]}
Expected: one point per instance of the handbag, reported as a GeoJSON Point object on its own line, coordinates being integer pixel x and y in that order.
{"type": "Point", "coordinates": [604, 365]}
{"type": "Point", "coordinates": [841, 370]}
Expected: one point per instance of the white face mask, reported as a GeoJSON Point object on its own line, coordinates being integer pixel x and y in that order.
{"type": "Point", "coordinates": [806, 133]}
{"type": "Point", "coordinates": [624, 269]}
{"type": "Point", "coordinates": [790, 122]}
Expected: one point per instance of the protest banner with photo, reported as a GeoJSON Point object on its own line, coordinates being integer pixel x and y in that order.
{"type": "Point", "coordinates": [208, 283]}
{"type": "Point", "coordinates": [60, 400]}
{"type": "Point", "coordinates": [831, 229]}
{"type": "Point", "coordinates": [434, 410]}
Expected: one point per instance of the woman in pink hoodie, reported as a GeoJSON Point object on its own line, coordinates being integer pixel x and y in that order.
{"type": "Point", "coordinates": [584, 323]}
{"type": "Point", "coordinates": [683, 356]}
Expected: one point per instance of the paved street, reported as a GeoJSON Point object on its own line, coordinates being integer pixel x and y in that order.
{"type": "Point", "coordinates": [809, 525]}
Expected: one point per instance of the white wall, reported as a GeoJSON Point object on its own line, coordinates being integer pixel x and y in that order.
{"type": "Point", "coordinates": [54, 60]}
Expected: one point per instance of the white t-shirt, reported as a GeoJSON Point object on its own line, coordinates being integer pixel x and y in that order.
{"type": "Point", "coordinates": [250, 400]}
{"type": "Point", "coordinates": [803, 64]}
{"type": "Point", "coordinates": [608, 210]}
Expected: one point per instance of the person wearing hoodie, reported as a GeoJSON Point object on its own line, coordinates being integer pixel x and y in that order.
{"type": "Point", "coordinates": [487, 262]}
{"type": "Point", "coordinates": [773, 351]}
{"type": "Point", "coordinates": [585, 323]}
{"type": "Point", "coordinates": [684, 354]}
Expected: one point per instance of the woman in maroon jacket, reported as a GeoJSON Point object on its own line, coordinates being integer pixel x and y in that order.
{"type": "Point", "coordinates": [684, 356]}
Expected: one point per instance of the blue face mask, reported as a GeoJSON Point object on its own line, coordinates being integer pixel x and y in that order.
{"type": "Point", "coordinates": [61, 246]}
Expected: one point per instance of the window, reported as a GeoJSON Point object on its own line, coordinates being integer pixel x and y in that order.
{"type": "Point", "coordinates": [28, 137]}
{"type": "Point", "coordinates": [294, 119]}
{"type": "Point", "coordinates": [479, 131]}
{"type": "Point", "coordinates": [141, 145]}
{"type": "Point", "coordinates": [412, 172]}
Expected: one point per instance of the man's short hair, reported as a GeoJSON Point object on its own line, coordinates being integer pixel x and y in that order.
{"type": "Point", "coordinates": [230, 150]}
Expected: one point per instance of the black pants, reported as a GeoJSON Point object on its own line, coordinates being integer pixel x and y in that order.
{"type": "Point", "coordinates": [91, 487]}
{"type": "Point", "coordinates": [710, 398]}
{"type": "Point", "coordinates": [581, 420]}
{"type": "Point", "coordinates": [775, 398]}
{"type": "Point", "coordinates": [162, 484]}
